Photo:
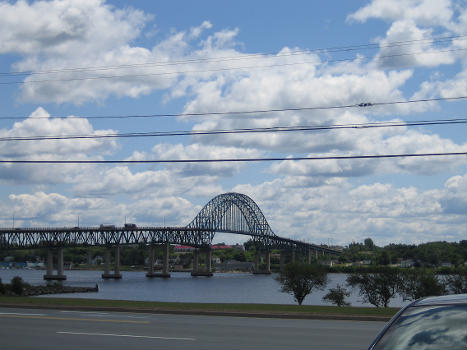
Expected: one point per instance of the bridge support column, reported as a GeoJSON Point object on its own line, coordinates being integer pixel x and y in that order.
{"type": "Point", "coordinates": [49, 276]}
{"type": "Point", "coordinates": [207, 272]}
{"type": "Point", "coordinates": [267, 269]}
{"type": "Point", "coordinates": [293, 256]}
{"type": "Point", "coordinates": [195, 262]}
{"type": "Point", "coordinates": [310, 252]}
{"type": "Point", "coordinates": [209, 260]}
{"type": "Point", "coordinates": [107, 274]}
{"type": "Point", "coordinates": [107, 261]}
{"type": "Point", "coordinates": [60, 262]}
{"type": "Point", "coordinates": [257, 260]}
{"type": "Point", "coordinates": [165, 262]}
{"type": "Point", "coordinates": [268, 261]}
{"type": "Point", "coordinates": [150, 262]}
{"type": "Point", "coordinates": [50, 262]}
{"type": "Point", "coordinates": [117, 262]}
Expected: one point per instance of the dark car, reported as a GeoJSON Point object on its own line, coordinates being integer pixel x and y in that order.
{"type": "Point", "coordinates": [437, 323]}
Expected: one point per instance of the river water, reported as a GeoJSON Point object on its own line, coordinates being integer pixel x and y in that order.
{"type": "Point", "coordinates": [181, 287]}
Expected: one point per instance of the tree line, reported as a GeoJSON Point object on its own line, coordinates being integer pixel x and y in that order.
{"type": "Point", "coordinates": [431, 254]}
{"type": "Point", "coordinates": [376, 288]}
{"type": "Point", "coordinates": [422, 255]}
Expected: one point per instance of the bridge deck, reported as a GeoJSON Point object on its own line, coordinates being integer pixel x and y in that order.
{"type": "Point", "coordinates": [26, 238]}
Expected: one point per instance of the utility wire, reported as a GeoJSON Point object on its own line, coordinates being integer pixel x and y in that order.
{"type": "Point", "coordinates": [242, 131]}
{"type": "Point", "coordinates": [242, 57]}
{"type": "Point", "coordinates": [258, 111]}
{"type": "Point", "coordinates": [230, 160]}
{"type": "Point", "coordinates": [212, 70]}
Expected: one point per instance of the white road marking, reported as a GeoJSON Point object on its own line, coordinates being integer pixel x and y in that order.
{"type": "Point", "coordinates": [126, 335]}
{"type": "Point", "coordinates": [90, 313]}
{"type": "Point", "coordinates": [100, 314]}
{"type": "Point", "coordinates": [20, 314]}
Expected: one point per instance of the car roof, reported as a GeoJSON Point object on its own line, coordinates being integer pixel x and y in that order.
{"type": "Point", "coordinates": [442, 300]}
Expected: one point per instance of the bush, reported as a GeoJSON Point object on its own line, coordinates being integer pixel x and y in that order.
{"type": "Point", "coordinates": [337, 296]}
{"type": "Point", "coordinates": [2, 287]}
{"type": "Point", "coordinates": [16, 285]}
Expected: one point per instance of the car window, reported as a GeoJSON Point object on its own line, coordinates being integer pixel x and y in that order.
{"type": "Point", "coordinates": [429, 327]}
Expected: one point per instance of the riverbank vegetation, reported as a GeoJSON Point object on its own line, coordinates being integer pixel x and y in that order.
{"type": "Point", "coordinates": [375, 288]}
{"type": "Point", "coordinates": [17, 287]}
{"type": "Point", "coordinates": [443, 257]}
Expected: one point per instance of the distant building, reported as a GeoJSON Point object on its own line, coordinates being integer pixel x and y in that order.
{"type": "Point", "coordinates": [221, 246]}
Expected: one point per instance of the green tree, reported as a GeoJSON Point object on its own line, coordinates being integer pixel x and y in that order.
{"type": "Point", "coordinates": [383, 258]}
{"type": "Point", "coordinates": [419, 283]}
{"type": "Point", "coordinates": [239, 256]}
{"type": "Point", "coordinates": [337, 296]}
{"type": "Point", "coordinates": [16, 285]}
{"type": "Point", "coordinates": [369, 245]}
{"type": "Point", "coordinates": [376, 288]}
{"type": "Point", "coordinates": [300, 279]}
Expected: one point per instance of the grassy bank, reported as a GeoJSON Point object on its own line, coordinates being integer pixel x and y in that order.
{"type": "Point", "coordinates": [203, 308]}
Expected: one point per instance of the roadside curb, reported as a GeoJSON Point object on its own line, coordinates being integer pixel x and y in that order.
{"type": "Point", "coordinates": [205, 312]}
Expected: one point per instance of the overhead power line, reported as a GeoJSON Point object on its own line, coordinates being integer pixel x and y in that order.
{"type": "Point", "coordinates": [241, 57]}
{"type": "Point", "coordinates": [257, 111]}
{"type": "Point", "coordinates": [262, 66]}
{"type": "Point", "coordinates": [231, 160]}
{"type": "Point", "coordinates": [276, 129]}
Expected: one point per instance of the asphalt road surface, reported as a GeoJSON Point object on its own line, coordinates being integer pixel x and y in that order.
{"type": "Point", "coordinates": [54, 329]}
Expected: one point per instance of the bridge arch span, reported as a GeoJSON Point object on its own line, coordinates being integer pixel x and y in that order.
{"type": "Point", "coordinates": [232, 212]}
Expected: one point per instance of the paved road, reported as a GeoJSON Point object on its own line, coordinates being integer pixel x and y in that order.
{"type": "Point", "coordinates": [54, 329]}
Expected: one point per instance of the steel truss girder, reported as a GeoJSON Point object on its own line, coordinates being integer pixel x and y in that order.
{"type": "Point", "coordinates": [78, 237]}
{"type": "Point", "coordinates": [230, 212]}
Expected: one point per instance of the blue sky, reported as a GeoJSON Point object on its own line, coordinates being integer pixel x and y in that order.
{"type": "Point", "coordinates": [176, 57]}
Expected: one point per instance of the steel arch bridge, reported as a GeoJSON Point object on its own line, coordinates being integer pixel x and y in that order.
{"type": "Point", "coordinates": [229, 212]}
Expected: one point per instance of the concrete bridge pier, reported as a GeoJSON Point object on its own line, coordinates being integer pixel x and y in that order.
{"type": "Point", "coordinates": [165, 262]}
{"type": "Point", "coordinates": [207, 272]}
{"type": "Point", "coordinates": [49, 276]}
{"type": "Point", "coordinates": [151, 261]}
{"type": "Point", "coordinates": [267, 260]}
{"type": "Point", "coordinates": [116, 274]}
{"type": "Point", "coordinates": [195, 262]}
